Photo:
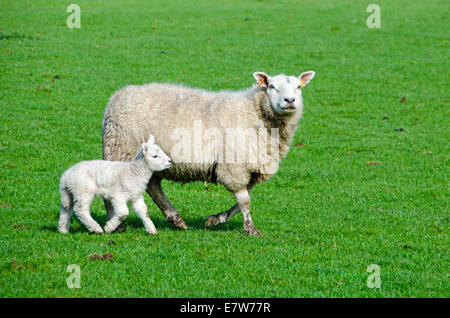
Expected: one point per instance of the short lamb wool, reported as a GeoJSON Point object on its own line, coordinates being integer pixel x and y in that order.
{"type": "Point", "coordinates": [117, 181]}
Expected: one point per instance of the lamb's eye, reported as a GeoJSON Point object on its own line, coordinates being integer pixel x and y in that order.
{"type": "Point", "coordinates": [299, 86]}
{"type": "Point", "coordinates": [155, 156]}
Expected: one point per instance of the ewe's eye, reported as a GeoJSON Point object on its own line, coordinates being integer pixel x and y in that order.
{"type": "Point", "coordinates": [273, 87]}
{"type": "Point", "coordinates": [155, 156]}
{"type": "Point", "coordinates": [299, 86]}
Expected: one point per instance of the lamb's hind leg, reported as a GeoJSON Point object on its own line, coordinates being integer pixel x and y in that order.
{"type": "Point", "coordinates": [110, 213]}
{"type": "Point", "coordinates": [120, 214]}
{"type": "Point", "coordinates": [156, 193]}
{"type": "Point", "coordinates": [66, 211]}
{"type": "Point", "coordinates": [64, 220]}
{"type": "Point", "coordinates": [81, 209]}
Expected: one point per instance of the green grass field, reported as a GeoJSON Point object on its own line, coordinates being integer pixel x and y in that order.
{"type": "Point", "coordinates": [379, 95]}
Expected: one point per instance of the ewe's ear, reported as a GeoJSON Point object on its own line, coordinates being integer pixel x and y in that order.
{"type": "Point", "coordinates": [305, 77]}
{"type": "Point", "coordinates": [261, 78]}
{"type": "Point", "coordinates": [151, 139]}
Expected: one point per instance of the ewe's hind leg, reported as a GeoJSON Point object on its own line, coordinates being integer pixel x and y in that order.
{"type": "Point", "coordinates": [81, 210]}
{"type": "Point", "coordinates": [141, 210]}
{"type": "Point", "coordinates": [243, 199]}
{"type": "Point", "coordinates": [120, 214]}
{"type": "Point", "coordinates": [109, 209]}
{"type": "Point", "coordinates": [155, 191]}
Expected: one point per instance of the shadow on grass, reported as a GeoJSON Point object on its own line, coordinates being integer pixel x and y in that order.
{"type": "Point", "coordinates": [134, 222]}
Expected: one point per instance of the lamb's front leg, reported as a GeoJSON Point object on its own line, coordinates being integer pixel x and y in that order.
{"type": "Point", "coordinates": [243, 199]}
{"type": "Point", "coordinates": [120, 214]}
{"type": "Point", "coordinates": [140, 208]}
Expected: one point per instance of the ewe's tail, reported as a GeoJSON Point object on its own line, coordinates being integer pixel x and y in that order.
{"type": "Point", "coordinates": [118, 143]}
{"type": "Point", "coordinates": [111, 139]}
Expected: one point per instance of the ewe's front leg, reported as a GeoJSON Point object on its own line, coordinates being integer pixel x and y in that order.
{"type": "Point", "coordinates": [225, 216]}
{"type": "Point", "coordinates": [120, 214]}
{"type": "Point", "coordinates": [222, 217]}
{"type": "Point", "coordinates": [141, 210]}
{"type": "Point", "coordinates": [243, 199]}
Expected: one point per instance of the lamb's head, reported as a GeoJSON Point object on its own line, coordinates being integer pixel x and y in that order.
{"type": "Point", "coordinates": [284, 92]}
{"type": "Point", "coordinates": [156, 159]}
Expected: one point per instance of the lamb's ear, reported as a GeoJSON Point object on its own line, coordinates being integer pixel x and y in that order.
{"type": "Point", "coordinates": [305, 77]}
{"type": "Point", "coordinates": [144, 148]}
{"type": "Point", "coordinates": [151, 139]}
{"type": "Point", "coordinates": [261, 78]}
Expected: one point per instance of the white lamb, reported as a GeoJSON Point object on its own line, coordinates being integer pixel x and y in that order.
{"type": "Point", "coordinates": [119, 182]}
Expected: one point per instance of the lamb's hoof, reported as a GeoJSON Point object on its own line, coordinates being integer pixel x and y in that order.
{"type": "Point", "coordinates": [212, 220]}
{"type": "Point", "coordinates": [178, 222]}
{"type": "Point", "coordinates": [250, 229]}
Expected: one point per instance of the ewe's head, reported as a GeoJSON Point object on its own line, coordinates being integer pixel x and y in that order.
{"type": "Point", "coordinates": [284, 92]}
{"type": "Point", "coordinates": [156, 159]}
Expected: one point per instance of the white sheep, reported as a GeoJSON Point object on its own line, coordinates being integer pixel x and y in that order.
{"type": "Point", "coordinates": [274, 104]}
{"type": "Point", "coordinates": [119, 182]}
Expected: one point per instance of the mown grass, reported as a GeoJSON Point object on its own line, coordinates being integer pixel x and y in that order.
{"type": "Point", "coordinates": [325, 216]}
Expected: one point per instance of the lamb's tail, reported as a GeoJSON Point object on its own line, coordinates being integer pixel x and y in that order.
{"type": "Point", "coordinates": [66, 211]}
{"type": "Point", "coordinates": [66, 198]}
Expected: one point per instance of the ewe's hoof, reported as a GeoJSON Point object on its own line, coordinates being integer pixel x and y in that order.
{"type": "Point", "coordinates": [254, 232]}
{"type": "Point", "coordinates": [181, 225]}
{"type": "Point", "coordinates": [178, 222]}
{"type": "Point", "coordinates": [121, 228]}
{"type": "Point", "coordinates": [212, 220]}
{"type": "Point", "coordinates": [251, 230]}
